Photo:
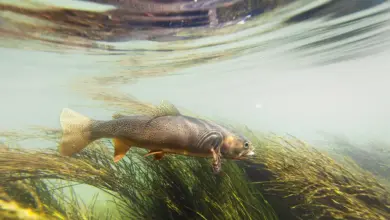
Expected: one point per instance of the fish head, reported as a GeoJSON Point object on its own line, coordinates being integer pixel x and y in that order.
{"type": "Point", "coordinates": [236, 147]}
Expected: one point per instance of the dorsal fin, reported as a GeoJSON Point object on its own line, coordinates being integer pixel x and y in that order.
{"type": "Point", "coordinates": [118, 115]}
{"type": "Point", "coordinates": [166, 108]}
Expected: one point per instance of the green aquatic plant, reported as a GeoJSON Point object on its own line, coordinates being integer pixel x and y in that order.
{"type": "Point", "coordinates": [37, 198]}
{"type": "Point", "coordinates": [313, 184]}
{"type": "Point", "coordinates": [296, 179]}
{"type": "Point", "coordinates": [174, 188]}
{"type": "Point", "coordinates": [11, 209]}
{"type": "Point", "coordinates": [373, 156]}
{"type": "Point", "coordinates": [287, 175]}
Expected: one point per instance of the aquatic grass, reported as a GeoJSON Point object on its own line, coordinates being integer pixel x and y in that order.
{"type": "Point", "coordinates": [29, 196]}
{"type": "Point", "coordinates": [373, 156]}
{"type": "Point", "coordinates": [287, 175]}
{"type": "Point", "coordinates": [228, 196]}
{"type": "Point", "coordinates": [39, 199]}
{"type": "Point", "coordinates": [293, 177]}
{"type": "Point", "coordinates": [313, 184]}
{"type": "Point", "coordinates": [176, 187]}
{"type": "Point", "coordinates": [11, 209]}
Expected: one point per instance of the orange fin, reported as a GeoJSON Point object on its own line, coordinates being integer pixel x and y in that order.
{"type": "Point", "coordinates": [121, 147]}
{"type": "Point", "coordinates": [158, 154]}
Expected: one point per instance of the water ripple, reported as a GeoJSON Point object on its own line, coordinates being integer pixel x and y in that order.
{"type": "Point", "coordinates": [170, 35]}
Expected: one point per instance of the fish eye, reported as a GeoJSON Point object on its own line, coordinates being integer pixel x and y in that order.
{"type": "Point", "coordinates": [246, 145]}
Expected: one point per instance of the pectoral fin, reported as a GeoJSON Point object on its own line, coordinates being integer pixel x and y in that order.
{"type": "Point", "coordinates": [121, 147]}
{"type": "Point", "coordinates": [217, 162]}
{"type": "Point", "coordinates": [158, 154]}
{"type": "Point", "coordinates": [214, 141]}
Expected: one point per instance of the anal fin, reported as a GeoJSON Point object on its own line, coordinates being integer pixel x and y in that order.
{"type": "Point", "coordinates": [121, 147]}
{"type": "Point", "coordinates": [158, 154]}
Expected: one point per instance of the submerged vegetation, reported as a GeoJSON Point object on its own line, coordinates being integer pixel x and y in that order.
{"type": "Point", "coordinates": [174, 188]}
{"type": "Point", "coordinates": [288, 179]}
{"type": "Point", "coordinates": [373, 156]}
{"type": "Point", "coordinates": [314, 185]}
{"type": "Point", "coordinates": [39, 199]}
{"type": "Point", "coordinates": [297, 181]}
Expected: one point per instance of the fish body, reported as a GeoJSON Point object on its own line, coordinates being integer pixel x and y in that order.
{"type": "Point", "coordinates": [168, 132]}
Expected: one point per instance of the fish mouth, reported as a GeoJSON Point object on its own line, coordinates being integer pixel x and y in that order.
{"type": "Point", "coordinates": [250, 153]}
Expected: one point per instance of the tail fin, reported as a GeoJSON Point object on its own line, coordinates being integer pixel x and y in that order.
{"type": "Point", "coordinates": [75, 132]}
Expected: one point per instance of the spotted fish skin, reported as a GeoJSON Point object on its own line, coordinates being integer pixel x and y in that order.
{"type": "Point", "coordinates": [167, 131]}
{"type": "Point", "coordinates": [178, 132]}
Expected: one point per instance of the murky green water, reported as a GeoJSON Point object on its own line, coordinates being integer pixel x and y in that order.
{"type": "Point", "coordinates": [299, 67]}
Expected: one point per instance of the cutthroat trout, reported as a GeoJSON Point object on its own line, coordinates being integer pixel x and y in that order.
{"type": "Point", "coordinates": [166, 132]}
